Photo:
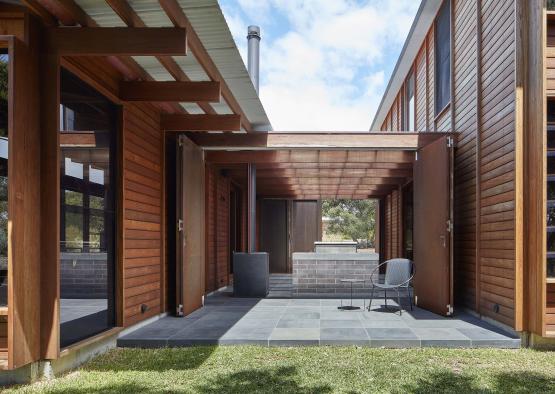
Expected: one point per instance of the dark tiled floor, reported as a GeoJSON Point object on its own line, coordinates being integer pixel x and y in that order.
{"type": "Point", "coordinates": [312, 322]}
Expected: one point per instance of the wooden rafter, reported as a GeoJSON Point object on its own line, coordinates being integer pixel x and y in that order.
{"type": "Point", "coordinates": [38, 9]}
{"type": "Point", "coordinates": [111, 41]}
{"type": "Point", "coordinates": [181, 123]}
{"type": "Point", "coordinates": [169, 91]}
{"type": "Point", "coordinates": [132, 19]}
{"type": "Point", "coordinates": [179, 19]}
{"type": "Point", "coordinates": [70, 13]}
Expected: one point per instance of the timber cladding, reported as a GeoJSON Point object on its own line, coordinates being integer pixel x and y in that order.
{"type": "Point", "coordinates": [142, 190]}
{"type": "Point", "coordinates": [217, 229]}
{"type": "Point", "coordinates": [482, 111]}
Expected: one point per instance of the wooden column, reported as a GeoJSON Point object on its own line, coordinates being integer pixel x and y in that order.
{"type": "Point", "coordinates": [24, 199]}
{"type": "Point", "coordinates": [50, 206]}
{"type": "Point", "coordinates": [251, 210]}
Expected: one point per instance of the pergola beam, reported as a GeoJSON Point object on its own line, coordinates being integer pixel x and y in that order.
{"type": "Point", "coordinates": [186, 122]}
{"type": "Point", "coordinates": [309, 156]}
{"type": "Point", "coordinates": [170, 91]}
{"type": "Point", "coordinates": [121, 41]}
{"type": "Point", "coordinates": [318, 140]}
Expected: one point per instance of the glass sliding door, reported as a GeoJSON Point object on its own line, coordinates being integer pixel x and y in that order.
{"type": "Point", "coordinates": [88, 123]}
{"type": "Point", "coordinates": [4, 63]}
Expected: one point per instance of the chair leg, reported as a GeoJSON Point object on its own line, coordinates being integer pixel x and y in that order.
{"type": "Point", "coordinates": [399, 301]}
{"type": "Point", "coordinates": [410, 297]}
{"type": "Point", "coordinates": [371, 298]}
{"type": "Point", "coordinates": [385, 297]}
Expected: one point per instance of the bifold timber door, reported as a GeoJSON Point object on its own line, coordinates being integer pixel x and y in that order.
{"type": "Point", "coordinates": [190, 237]}
{"type": "Point", "coordinates": [433, 188]}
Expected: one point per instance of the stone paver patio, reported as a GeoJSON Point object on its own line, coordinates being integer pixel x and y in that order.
{"type": "Point", "coordinates": [296, 322]}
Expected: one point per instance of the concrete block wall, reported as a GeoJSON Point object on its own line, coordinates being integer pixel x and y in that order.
{"type": "Point", "coordinates": [84, 275]}
{"type": "Point", "coordinates": [322, 277]}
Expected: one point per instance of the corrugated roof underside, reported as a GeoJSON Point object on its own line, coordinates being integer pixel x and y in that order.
{"type": "Point", "coordinates": [211, 27]}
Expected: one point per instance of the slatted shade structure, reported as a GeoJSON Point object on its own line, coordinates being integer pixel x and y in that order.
{"type": "Point", "coordinates": [307, 166]}
{"type": "Point", "coordinates": [208, 55]}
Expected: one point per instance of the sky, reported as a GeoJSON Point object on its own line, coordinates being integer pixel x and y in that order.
{"type": "Point", "coordinates": [324, 64]}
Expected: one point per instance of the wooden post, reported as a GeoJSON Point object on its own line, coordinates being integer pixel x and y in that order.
{"type": "Point", "coordinates": [251, 211]}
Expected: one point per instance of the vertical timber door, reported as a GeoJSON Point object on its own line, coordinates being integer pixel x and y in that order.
{"type": "Point", "coordinates": [433, 239]}
{"type": "Point", "coordinates": [190, 237]}
{"type": "Point", "coordinates": [273, 234]}
{"type": "Point", "coordinates": [306, 225]}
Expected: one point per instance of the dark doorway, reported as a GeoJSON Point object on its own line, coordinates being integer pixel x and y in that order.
{"type": "Point", "coordinates": [273, 234]}
{"type": "Point", "coordinates": [89, 131]}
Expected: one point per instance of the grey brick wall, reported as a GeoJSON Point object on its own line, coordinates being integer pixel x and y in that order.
{"type": "Point", "coordinates": [322, 277]}
{"type": "Point", "coordinates": [83, 275]}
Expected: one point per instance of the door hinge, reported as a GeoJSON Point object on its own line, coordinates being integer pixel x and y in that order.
{"type": "Point", "coordinates": [450, 142]}
{"type": "Point", "coordinates": [179, 310]}
{"type": "Point", "coordinates": [181, 140]}
{"type": "Point", "coordinates": [180, 225]}
{"type": "Point", "coordinates": [449, 225]}
{"type": "Point", "coordinates": [449, 310]}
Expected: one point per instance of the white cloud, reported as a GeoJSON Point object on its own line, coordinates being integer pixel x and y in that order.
{"type": "Point", "coordinates": [325, 70]}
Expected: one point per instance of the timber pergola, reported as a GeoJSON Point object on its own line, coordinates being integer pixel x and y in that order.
{"type": "Point", "coordinates": [317, 165]}
{"type": "Point", "coordinates": [72, 31]}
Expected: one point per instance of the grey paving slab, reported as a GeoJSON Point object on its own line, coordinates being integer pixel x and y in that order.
{"type": "Point", "coordinates": [481, 337]}
{"type": "Point", "coordinates": [340, 315]}
{"type": "Point", "coordinates": [299, 323]}
{"type": "Point", "coordinates": [393, 337]}
{"type": "Point", "coordinates": [294, 337]}
{"type": "Point", "coordinates": [369, 323]}
{"type": "Point", "coordinates": [340, 323]}
{"type": "Point", "coordinates": [294, 315]}
{"type": "Point", "coordinates": [441, 337]}
{"type": "Point", "coordinates": [344, 336]}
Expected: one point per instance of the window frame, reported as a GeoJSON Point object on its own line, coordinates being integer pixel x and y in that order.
{"type": "Point", "coordinates": [411, 76]}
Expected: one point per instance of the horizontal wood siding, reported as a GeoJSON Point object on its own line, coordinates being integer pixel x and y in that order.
{"type": "Point", "coordinates": [465, 97]}
{"type": "Point", "coordinates": [217, 223]}
{"type": "Point", "coordinates": [484, 237]}
{"type": "Point", "coordinates": [550, 319]}
{"type": "Point", "coordinates": [497, 167]}
{"type": "Point", "coordinates": [421, 113]}
{"type": "Point", "coordinates": [142, 212]}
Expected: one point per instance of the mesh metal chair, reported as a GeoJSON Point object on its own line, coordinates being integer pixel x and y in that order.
{"type": "Point", "coordinates": [398, 275]}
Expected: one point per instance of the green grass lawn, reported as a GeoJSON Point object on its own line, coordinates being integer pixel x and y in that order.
{"type": "Point", "coordinates": [245, 369]}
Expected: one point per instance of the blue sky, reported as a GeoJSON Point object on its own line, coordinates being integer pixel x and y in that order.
{"type": "Point", "coordinates": [324, 64]}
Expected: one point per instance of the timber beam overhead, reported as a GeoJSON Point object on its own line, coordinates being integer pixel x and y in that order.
{"type": "Point", "coordinates": [170, 91]}
{"type": "Point", "coordinates": [116, 41]}
{"type": "Point", "coordinates": [410, 141]}
{"type": "Point", "coordinates": [188, 122]}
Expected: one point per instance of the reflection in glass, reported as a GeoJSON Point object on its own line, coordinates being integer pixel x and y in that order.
{"type": "Point", "coordinates": [551, 267]}
{"type": "Point", "coordinates": [551, 189]}
{"type": "Point", "coordinates": [551, 241]}
{"type": "Point", "coordinates": [4, 177]}
{"type": "Point", "coordinates": [87, 143]}
{"type": "Point", "coordinates": [551, 163]}
{"type": "Point", "coordinates": [551, 215]}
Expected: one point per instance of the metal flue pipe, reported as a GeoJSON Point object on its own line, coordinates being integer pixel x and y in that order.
{"type": "Point", "coordinates": [253, 38]}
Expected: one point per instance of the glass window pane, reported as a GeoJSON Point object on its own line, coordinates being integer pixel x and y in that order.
{"type": "Point", "coordinates": [74, 198]}
{"type": "Point", "coordinates": [87, 143]}
{"type": "Point", "coordinates": [4, 60]}
{"type": "Point", "coordinates": [551, 267]}
{"type": "Point", "coordinates": [443, 57]}
{"type": "Point", "coordinates": [73, 232]}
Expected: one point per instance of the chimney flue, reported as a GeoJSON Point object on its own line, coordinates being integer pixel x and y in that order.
{"type": "Point", "coordinates": [253, 38]}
